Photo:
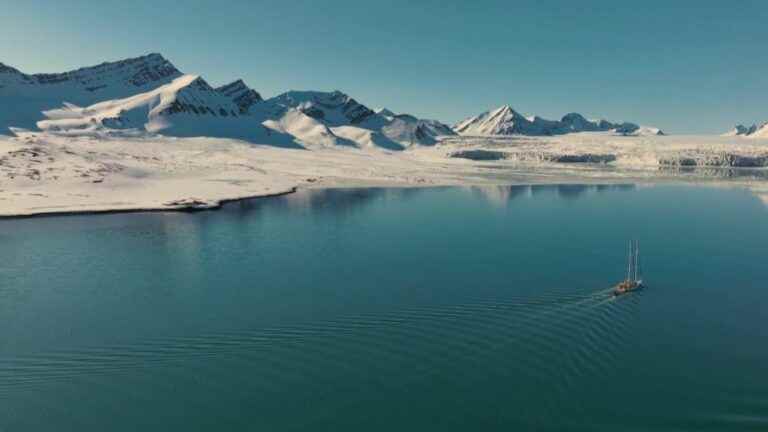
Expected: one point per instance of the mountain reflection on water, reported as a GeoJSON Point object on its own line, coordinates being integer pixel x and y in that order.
{"type": "Point", "coordinates": [349, 200]}
{"type": "Point", "coordinates": [499, 195]}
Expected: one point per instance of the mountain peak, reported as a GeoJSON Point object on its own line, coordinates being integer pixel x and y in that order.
{"type": "Point", "coordinates": [385, 112]}
{"type": "Point", "coordinates": [503, 120]}
{"type": "Point", "coordinates": [574, 116]}
{"type": "Point", "coordinates": [154, 55]}
{"type": "Point", "coordinates": [200, 83]}
{"type": "Point", "coordinates": [8, 69]}
{"type": "Point", "coordinates": [504, 110]}
{"type": "Point", "coordinates": [236, 83]}
{"type": "Point", "coordinates": [242, 95]}
{"type": "Point", "coordinates": [334, 108]}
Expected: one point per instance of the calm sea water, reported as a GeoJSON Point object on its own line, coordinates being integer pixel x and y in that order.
{"type": "Point", "coordinates": [392, 309]}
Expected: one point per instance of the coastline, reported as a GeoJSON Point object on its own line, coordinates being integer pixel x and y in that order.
{"type": "Point", "coordinates": [177, 209]}
{"type": "Point", "coordinates": [760, 193]}
{"type": "Point", "coordinates": [44, 174]}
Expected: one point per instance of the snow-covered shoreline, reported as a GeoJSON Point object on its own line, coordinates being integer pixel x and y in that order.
{"type": "Point", "coordinates": [43, 173]}
{"type": "Point", "coordinates": [140, 135]}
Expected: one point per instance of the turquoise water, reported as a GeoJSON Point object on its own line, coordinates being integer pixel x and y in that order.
{"type": "Point", "coordinates": [392, 309]}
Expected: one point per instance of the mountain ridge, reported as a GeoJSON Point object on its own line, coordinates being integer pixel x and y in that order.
{"type": "Point", "coordinates": [187, 106]}
{"type": "Point", "coordinates": [148, 93]}
{"type": "Point", "coordinates": [28, 95]}
{"type": "Point", "coordinates": [244, 96]}
{"type": "Point", "coordinates": [140, 71]}
{"type": "Point", "coordinates": [504, 120]}
{"type": "Point", "coordinates": [754, 131]}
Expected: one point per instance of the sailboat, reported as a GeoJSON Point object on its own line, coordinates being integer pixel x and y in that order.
{"type": "Point", "coordinates": [634, 279]}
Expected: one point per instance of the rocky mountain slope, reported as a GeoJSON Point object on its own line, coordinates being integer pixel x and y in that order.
{"type": "Point", "coordinates": [242, 95]}
{"type": "Point", "coordinates": [353, 120]}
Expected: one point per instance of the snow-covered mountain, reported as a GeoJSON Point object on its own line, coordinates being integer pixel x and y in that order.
{"type": "Point", "coordinates": [333, 108]}
{"type": "Point", "coordinates": [148, 94]}
{"type": "Point", "coordinates": [409, 129]}
{"type": "Point", "coordinates": [506, 121]}
{"type": "Point", "coordinates": [187, 106]}
{"type": "Point", "coordinates": [761, 131]}
{"type": "Point", "coordinates": [354, 121]}
{"type": "Point", "coordinates": [25, 96]}
{"type": "Point", "coordinates": [753, 131]}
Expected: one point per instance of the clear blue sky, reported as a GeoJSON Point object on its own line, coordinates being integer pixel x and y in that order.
{"type": "Point", "coordinates": [685, 66]}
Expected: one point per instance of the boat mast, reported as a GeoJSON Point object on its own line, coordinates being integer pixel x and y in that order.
{"type": "Point", "coordinates": [629, 263]}
{"type": "Point", "coordinates": [637, 253]}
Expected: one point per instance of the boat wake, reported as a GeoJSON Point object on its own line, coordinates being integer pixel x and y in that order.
{"type": "Point", "coordinates": [552, 337]}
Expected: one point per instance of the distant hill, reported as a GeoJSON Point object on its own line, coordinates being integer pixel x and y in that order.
{"type": "Point", "coordinates": [506, 121]}
{"type": "Point", "coordinates": [753, 131]}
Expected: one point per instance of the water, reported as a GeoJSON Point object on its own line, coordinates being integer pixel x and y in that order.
{"type": "Point", "coordinates": [385, 309]}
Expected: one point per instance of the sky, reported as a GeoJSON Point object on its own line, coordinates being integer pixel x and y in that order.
{"type": "Point", "coordinates": [684, 66]}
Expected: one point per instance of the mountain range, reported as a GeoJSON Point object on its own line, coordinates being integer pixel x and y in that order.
{"type": "Point", "coordinates": [506, 121]}
{"type": "Point", "coordinates": [148, 94]}
{"type": "Point", "coordinates": [754, 131]}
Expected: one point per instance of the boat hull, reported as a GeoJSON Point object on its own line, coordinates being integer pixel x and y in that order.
{"type": "Point", "coordinates": [627, 287]}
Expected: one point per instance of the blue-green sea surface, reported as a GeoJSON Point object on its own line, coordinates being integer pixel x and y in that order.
{"type": "Point", "coordinates": [443, 309]}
